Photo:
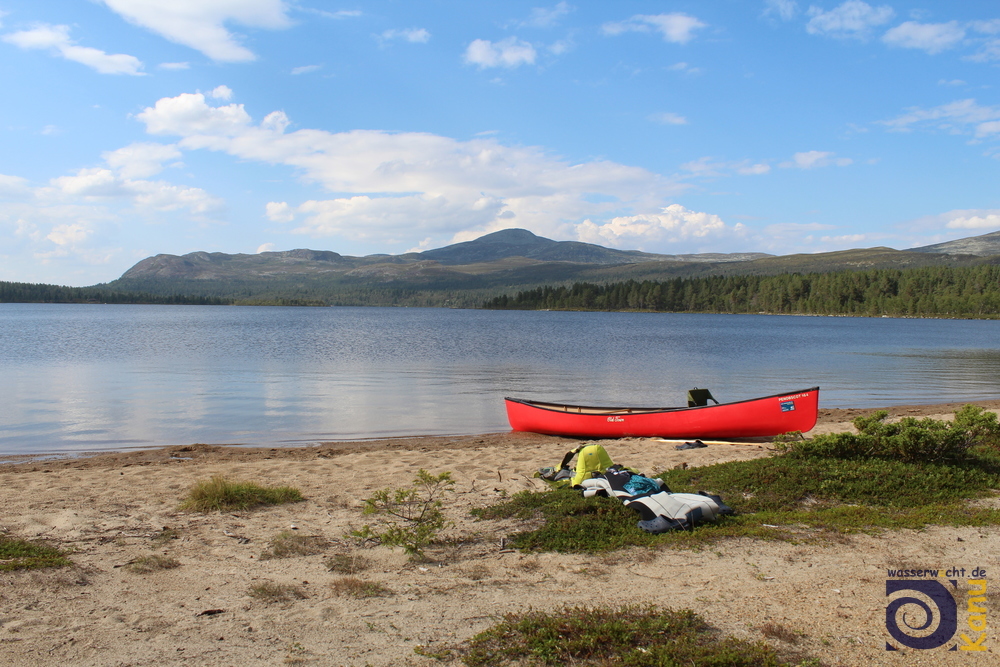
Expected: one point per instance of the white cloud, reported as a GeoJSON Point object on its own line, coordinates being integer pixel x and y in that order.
{"type": "Point", "coordinates": [930, 37]}
{"type": "Point", "coordinates": [399, 185]}
{"type": "Point", "coordinates": [141, 160]}
{"type": "Point", "coordinates": [783, 9]}
{"type": "Point", "coordinates": [674, 224]}
{"type": "Point", "coordinates": [958, 116]}
{"type": "Point", "coordinates": [200, 24]}
{"type": "Point", "coordinates": [844, 239]}
{"type": "Point", "coordinates": [706, 167]}
{"type": "Point", "coordinates": [98, 184]}
{"type": "Point", "coordinates": [305, 69]}
{"type": "Point", "coordinates": [266, 247]}
{"type": "Point", "coordinates": [412, 35]}
{"type": "Point", "coordinates": [814, 160]}
{"type": "Point", "coordinates": [56, 39]}
{"type": "Point", "coordinates": [13, 186]}
{"type": "Point", "coordinates": [951, 82]}
{"type": "Point", "coordinates": [676, 28]}
{"type": "Point", "coordinates": [850, 19]}
{"type": "Point", "coordinates": [221, 93]}
{"type": "Point", "coordinates": [69, 234]}
{"type": "Point", "coordinates": [510, 52]}
{"type": "Point", "coordinates": [668, 118]}
{"type": "Point", "coordinates": [279, 211]}
{"type": "Point", "coordinates": [684, 67]}
{"type": "Point", "coordinates": [977, 219]}
{"type": "Point", "coordinates": [174, 66]}
{"type": "Point", "coordinates": [545, 17]}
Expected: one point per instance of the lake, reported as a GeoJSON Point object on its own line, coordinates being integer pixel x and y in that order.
{"type": "Point", "coordinates": [97, 377]}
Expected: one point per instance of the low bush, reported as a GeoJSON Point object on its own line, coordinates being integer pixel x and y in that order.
{"type": "Point", "coordinates": [18, 554]}
{"type": "Point", "coordinates": [358, 588]}
{"type": "Point", "coordinates": [222, 495]}
{"type": "Point", "coordinates": [153, 563]}
{"type": "Point", "coordinates": [269, 591]}
{"type": "Point", "coordinates": [410, 517]}
{"type": "Point", "coordinates": [908, 440]}
{"type": "Point", "coordinates": [288, 544]}
{"type": "Point", "coordinates": [633, 636]}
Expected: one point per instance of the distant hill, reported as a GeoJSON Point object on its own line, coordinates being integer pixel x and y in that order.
{"type": "Point", "coordinates": [986, 245]}
{"type": "Point", "coordinates": [504, 262]}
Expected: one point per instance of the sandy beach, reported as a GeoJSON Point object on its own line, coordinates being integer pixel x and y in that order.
{"type": "Point", "coordinates": [111, 509]}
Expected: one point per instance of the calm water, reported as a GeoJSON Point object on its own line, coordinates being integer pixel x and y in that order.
{"type": "Point", "coordinates": [92, 377]}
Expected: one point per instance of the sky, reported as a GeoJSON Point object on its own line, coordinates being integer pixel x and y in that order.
{"type": "Point", "coordinates": [130, 128]}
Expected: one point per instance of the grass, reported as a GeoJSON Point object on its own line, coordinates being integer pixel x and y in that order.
{"type": "Point", "coordinates": [222, 495]}
{"type": "Point", "coordinates": [631, 635]}
{"type": "Point", "coordinates": [288, 544]}
{"type": "Point", "coordinates": [153, 563]}
{"type": "Point", "coordinates": [807, 493]}
{"type": "Point", "coordinates": [18, 554]}
{"type": "Point", "coordinates": [347, 563]}
{"type": "Point", "coordinates": [270, 592]}
{"type": "Point", "coordinates": [354, 587]}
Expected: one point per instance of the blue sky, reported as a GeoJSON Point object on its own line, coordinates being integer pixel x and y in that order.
{"type": "Point", "coordinates": [130, 128]}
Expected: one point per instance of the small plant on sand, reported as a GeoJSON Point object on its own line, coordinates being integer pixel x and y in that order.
{"type": "Point", "coordinates": [354, 587]}
{"type": "Point", "coordinates": [153, 563]}
{"type": "Point", "coordinates": [288, 544]}
{"type": "Point", "coordinates": [269, 591]}
{"type": "Point", "coordinates": [347, 563]}
{"type": "Point", "coordinates": [222, 495]}
{"type": "Point", "coordinates": [634, 636]}
{"type": "Point", "coordinates": [23, 555]}
{"type": "Point", "coordinates": [410, 517]}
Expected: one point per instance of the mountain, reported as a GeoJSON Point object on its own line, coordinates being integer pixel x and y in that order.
{"type": "Point", "coordinates": [985, 245]}
{"type": "Point", "coordinates": [522, 243]}
{"type": "Point", "coordinates": [504, 262]}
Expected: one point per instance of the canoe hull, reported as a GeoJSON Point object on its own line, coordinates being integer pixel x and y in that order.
{"type": "Point", "coordinates": [767, 416]}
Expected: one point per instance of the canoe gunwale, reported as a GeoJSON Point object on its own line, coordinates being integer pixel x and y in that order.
{"type": "Point", "coordinates": [567, 408]}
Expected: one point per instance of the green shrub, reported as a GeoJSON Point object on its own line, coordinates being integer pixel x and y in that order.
{"type": "Point", "coordinates": [909, 439]}
{"type": "Point", "coordinates": [632, 636]}
{"type": "Point", "coordinates": [24, 555]}
{"type": "Point", "coordinates": [288, 544]}
{"type": "Point", "coordinates": [411, 517]}
{"type": "Point", "coordinates": [222, 495]}
{"type": "Point", "coordinates": [149, 564]}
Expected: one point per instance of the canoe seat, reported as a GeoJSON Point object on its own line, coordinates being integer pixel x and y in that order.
{"type": "Point", "coordinates": [699, 397]}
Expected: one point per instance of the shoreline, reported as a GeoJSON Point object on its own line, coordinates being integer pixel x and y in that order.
{"type": "Point", "coordinates": [827, 419]}
{"type": "Point", "coordinates": [111, 509]}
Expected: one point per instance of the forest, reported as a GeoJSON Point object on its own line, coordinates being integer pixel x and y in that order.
{"type": "Point", "coordinates": [40, 293]}
{"type": "Point", "coordinates": [940, 291]}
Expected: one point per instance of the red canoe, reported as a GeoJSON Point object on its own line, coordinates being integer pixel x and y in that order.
{"type": "Point", "coordinates": [767, 416]}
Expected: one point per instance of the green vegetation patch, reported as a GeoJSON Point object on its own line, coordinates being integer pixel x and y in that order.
{"type": "Point", "coordinates": [18, 554]}
{"type": "Point", "coordinates": [269, 592]}
{"type": "Point", "coordinates": [222, 495]}
{"type": "Point", "coordinates": [153, 563]}
{"type": "Point", "coordinates": [288, 544]}
{"type": "Point", "coordinates": [906, 475]}
{"type": "Point", "coordinates": [633, 636]}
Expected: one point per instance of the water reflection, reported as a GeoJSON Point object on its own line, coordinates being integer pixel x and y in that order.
{"type": "Point", "coordinates": [97, 377]}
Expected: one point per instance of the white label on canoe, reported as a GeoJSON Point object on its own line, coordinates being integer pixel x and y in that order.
{"type": "Point", "coordinates": [616, 419]}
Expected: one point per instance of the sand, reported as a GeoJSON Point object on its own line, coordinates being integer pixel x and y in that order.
{"type": "Point", "coordinates": [108, 508]}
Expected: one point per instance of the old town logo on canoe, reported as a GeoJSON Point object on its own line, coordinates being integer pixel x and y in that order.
{"type": "Point", "coordinates": [616, 419]}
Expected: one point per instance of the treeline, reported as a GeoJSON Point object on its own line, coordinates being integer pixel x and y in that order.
{"type": "Point", "coordinates": [40, 293]}
{"type": "Point", "coordinates": [921, 292]}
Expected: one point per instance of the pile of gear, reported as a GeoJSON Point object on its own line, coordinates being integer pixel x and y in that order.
{"type": "Point", "coordinates": [660, 509]}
